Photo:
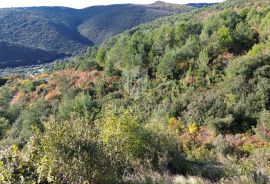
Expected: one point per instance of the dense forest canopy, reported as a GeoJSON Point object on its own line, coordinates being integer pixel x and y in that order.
{"type": "Point", "coordinates": [183, 99]}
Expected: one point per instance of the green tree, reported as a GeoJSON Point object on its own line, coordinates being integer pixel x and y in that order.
{"type": "Point", "coordinates": [244, 36]}
{"type": "Point", "coordinates": [191, 48]}
{"type": "Point", "coordinates": [168, 65]}
{"type": "Point", "coordinates": [265, 27]}
{"type": "Point", "coordinates": [225, 37]}
{"type": "Point", "coordinates": [82, 104]}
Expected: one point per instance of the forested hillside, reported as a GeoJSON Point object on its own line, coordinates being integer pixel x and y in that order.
{"type": "Point", "coordinates": [14, 55]}
{"type": "Point", "coordinates": [71, 31]}
{"type": "Point", "coordinates": [183, 99]}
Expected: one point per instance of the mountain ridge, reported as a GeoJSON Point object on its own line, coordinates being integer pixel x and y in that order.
{"type": "Point", "coordinates": [71, 31]}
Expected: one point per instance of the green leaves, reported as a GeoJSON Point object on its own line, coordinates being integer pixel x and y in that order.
{"type": "Point", "coordinates": [82, 104]}
{"type": "Point", "coordinates": [224, 36]}
{"type": "Point", "coordinates": [4, 125]}
{"type": "Point", "coordinates": [263, 127]}
{"type": "Point", "coordinates": [132, 144]}
{"type": "Point", "coordinates": [265, 27]}
{"type": "Point", "coordinates": [168, 65]}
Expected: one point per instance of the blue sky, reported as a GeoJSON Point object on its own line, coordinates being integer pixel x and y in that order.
{"type": "Point", "coordinates": [86, 3]}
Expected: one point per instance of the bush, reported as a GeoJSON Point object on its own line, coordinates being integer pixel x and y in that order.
{"type": "Point", "coordinates": [4, 125]}
{"type": "Point", "coordinates": [220, 125]}
{"type": "Point", "coordinates": [68, 152]}
{"type": "Point", "coordinates": [30, 118]}
{"type": "Point", "coordinates": [263, 127]}
{"type": "Point", "coordinates": [256, 49]}
{"type": "Point", "coordinates": [134, 145]}
{"type": "Point", "coordinates": [248, 179]}
{"type": "Point", "coordinates": [156, 178]}
{"type": "Point", "coordinates": [15, 167]}
{"type": "Point", "coordinates": [221, 144]}
{"type": "Point", "coordinates": [82, 104]}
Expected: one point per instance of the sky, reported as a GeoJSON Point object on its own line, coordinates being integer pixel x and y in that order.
{"type": "Point", "coordinates": [86, 3]}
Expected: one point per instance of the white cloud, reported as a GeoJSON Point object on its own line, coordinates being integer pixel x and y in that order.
{"type": "Point", "coordinates": [86, 3]}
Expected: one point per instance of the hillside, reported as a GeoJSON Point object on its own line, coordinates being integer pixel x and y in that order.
{"type": "Point", "coordinates": [22, 27]}
{"type": "Point", "coordinates": [14, 55]}
{"type": "Point", "coordinates": [106, 22]}
{"type": "Point", "coordinates": [181, 100]}
{"type": "Point", "coordinates": [68, 30]}
{"type": "Point", "coordinates": [109, 20]}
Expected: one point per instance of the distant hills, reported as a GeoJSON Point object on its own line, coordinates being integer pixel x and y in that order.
{"type": "Point", "coordinates": [66, 30]}
{"type": "Point", "coordinates": [13, 55]}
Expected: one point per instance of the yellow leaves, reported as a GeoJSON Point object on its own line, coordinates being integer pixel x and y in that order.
{"type": "Point", "coordinates": [14, 149]}
{"type": "Point", "coordinates": [23, 81]}
{"type": "Point", "coordinates": [175, 124]}
{"type": "Point", "coordinates": [248, 147]}
{"type": "Point", "coordinates": [193, 128]}
{"type": "Point", "coordinates": [120, 129]}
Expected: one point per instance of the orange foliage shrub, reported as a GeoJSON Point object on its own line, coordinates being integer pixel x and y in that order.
{"type": "Point", "coordinates": [202, 136]}
{"type": "Point", "coordinates": [83, 80]}
{"type": "Point", "coordinates": [52, 95]}
{"type": "Point", "coordinates": [42, 87]}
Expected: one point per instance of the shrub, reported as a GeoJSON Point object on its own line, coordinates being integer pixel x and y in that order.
{"type": "Point", "coordinates": [256, 49]}
{"type": "Point", "coordinates": [157, 178]}
{"type": "Point", "coordinates": [220, 125]}
{"type": "Point", "coordinates": [247, 179]}
{"type": "Point", "coordinates": [4, 125]}
{"type": "Point", "coordinates": [221, 144]}
{"type": "Point", "coordinates": [82, 104]}
{"type": "Point", "coordinates": [263, 127]}
{"type": "Point", "coordinates": [175, 124]}
{"type": "Point", "coordinates": [15, 167]}
{"type": "Point", "coordinates": [134, 145]}
{"type": "Point", "coordinates": [256, 166]}
{"type": "Point", "coordinates": [68, 152]}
